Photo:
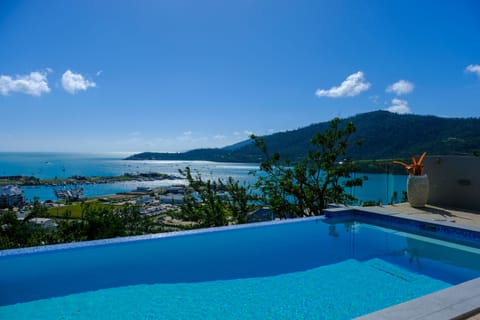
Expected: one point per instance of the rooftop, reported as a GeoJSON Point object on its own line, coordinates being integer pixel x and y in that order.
{"type": "Point", "coordinates": [10, 191]}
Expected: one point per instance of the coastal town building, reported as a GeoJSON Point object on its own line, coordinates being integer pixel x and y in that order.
{"type": "Point", "coordinates": [44, 223]}
{"type": "Point", "coordinates": [11, 196]}
{"type": "Point", "coordinates": [261, 214]}
{"type": "Point", "coordinates": [144, 200]}
{"type": "Point", "coordinates": [176, 189]}
{"type": "Point", "coordinates": [172, 198]}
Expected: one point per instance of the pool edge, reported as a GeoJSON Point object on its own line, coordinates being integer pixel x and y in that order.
{"type": "Point", "coordinates": [120, 240]}
{"type": "Point", "coordinates": [456, 302]}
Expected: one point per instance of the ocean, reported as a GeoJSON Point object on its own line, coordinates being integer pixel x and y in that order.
{"type": "Point", "coordinates": [378, 187]}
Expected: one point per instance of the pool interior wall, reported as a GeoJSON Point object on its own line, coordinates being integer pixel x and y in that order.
{"type": "Point", "coordinates": [445, 230]}
{"type": "Point", "coordinates": [228, 253]}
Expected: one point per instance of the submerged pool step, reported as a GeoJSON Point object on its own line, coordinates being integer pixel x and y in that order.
{"type": "Point", "coordinates": [390, 269]}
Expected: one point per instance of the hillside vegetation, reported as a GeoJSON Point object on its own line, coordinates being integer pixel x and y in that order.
{"type": "Point", "coordinates": [386, 135]}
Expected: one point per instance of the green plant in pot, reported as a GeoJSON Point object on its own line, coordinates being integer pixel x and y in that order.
{"type": "Point", "coordinates": [417, 181]}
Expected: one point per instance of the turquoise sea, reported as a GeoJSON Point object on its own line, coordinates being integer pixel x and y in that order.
{"type": "Point", "coordinates": [64, 165]}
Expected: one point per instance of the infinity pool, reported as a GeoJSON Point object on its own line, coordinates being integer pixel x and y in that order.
{"type": "Point", "coordinates": [299, 269]}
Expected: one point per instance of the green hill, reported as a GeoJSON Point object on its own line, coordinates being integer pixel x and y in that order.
{"type": "Point", "coordinates": [386, 135]}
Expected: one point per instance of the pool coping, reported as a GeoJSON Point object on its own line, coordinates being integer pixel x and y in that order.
{"type": "Point", "coordinates": [457, 302]}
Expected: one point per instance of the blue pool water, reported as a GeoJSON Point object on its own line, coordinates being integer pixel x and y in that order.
{"type": "Point", "coordinates": [302, 269]}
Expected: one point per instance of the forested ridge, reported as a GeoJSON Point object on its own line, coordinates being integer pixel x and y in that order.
{"type": "Point", "coordinates": [385, 135]}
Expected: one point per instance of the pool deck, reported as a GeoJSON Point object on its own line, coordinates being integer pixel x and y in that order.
{"type": "Point", "coordinates": [436, 214]}
{"type": "Point", "coordinates": [457, 302]}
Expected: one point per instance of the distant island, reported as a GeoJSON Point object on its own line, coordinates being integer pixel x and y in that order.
{"type": "Point", "coordinates": [386, 135]}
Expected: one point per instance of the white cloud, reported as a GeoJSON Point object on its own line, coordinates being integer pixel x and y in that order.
{"type": "Point", "coordinates": [248, 132]}
{"type": "Point", "coordinates": [399, 106]}
{"type": "Point", "coordinates": [33, 84]}
{"type": "Point", "coordinates": [74, 82]}
{"type": "Point", "coordinates": [401, 87]}
{"type": "Point", "coordinates": [99, 73]}
{"type": "Point", "coordinates": [219, 137]}
{"type": "Point", "coordinates": [186, 136]}
{"type": "Point", "coordinates": [352, 86]}
{"type": "Point", "coordinates": [473, 68]}
{"type": "Point", "coordinates": [374, 98]}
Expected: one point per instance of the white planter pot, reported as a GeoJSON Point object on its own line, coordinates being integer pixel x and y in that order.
{"type": "Point", "coordinates": [417, 190]}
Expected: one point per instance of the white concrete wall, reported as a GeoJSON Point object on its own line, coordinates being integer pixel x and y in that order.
{"type": "Point", "coordinates": [454, 181]}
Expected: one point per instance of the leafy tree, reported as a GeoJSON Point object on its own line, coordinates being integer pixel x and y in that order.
{"type": "Point", "coordinates": [14, 233]}
{"type": "Point", "coordinates": [305, 188]}
{"type": "Point", "coordinates": [135, 223]}
{"type": "Point", "coordinates": [71, 230]}
{"type": "Point", "coordinates": [215, 203]}
{"type": "Point", "coordinates": [98, 222]}
{"type": "Point", "coordinates": [240, 199]}
{"type": "Point", "coordinates": [38, 210]}
{"type": "Point", "coordinates": [101, 222]}
{"type": "Point", "coordinates": [209, 208]}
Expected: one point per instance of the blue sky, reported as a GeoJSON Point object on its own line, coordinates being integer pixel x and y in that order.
{"type": "Point", "coordinates": [168, 76]}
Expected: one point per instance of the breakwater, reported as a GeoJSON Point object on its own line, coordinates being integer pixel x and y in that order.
{"type": "Point", "coordinates": [82, 180]}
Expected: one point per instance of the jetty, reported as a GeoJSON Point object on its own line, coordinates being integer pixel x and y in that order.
{"type": "Point", "coordinates": [69, 194]}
